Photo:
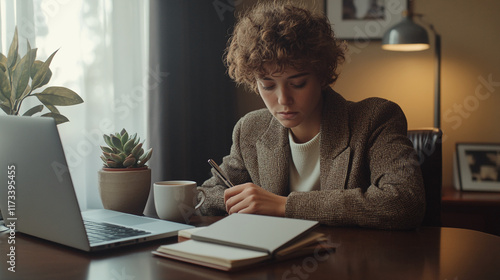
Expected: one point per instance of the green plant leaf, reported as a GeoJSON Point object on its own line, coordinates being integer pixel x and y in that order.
{"type": "Point", "coordinates": [124, 137]}
{"type": "Point", "coordinates": [34, 110]}
{"type": "Point", "coordinates": [41, 74]}
{"type": "Point", "coordinates": [106, 149]}
{"type": "Point", "coordinates": [107, 155]}
{"type": "Point", "coordinates": [107, 139]}
{"type": "Point", "coordinates": [112, 164]}
{"type": "Point", "coordinates": [4, 87]}
{"type": "Point", "coordinates": [27, 91]}
{"type": "Point", "coordinates": [6, 109]}
{"type": "Point", "coordinates": [3, 62]}
{"type": "Point", "coordinates": [21, 75]}
{"type": "Point", "coordinates": [117, 143]}
{"type": "Point", "coordinates": [13, 51]}
{"type": "Point", "coordinates": [35, 68]}
{"type": "Point", "coordinates": [52, 108]}
{"type": "Point", "coordinates": [129, 161]}
{"type": "Point", "coordinates": [127, 148]}
{"type": "Point", "coordinates": [141, 152]}
{"type": "Point", "coordinates": [146, 157]}
{"type": "Point", "coordinates": [133, 137]}
{"type": "Point", "coordinates": [137, 150]}
{"type": "Point", "coordinates": [59, 96]}
{"type": "Point", "coordinates": [116, 158]}
{"type": "Point", "coordinates": [58, 117]}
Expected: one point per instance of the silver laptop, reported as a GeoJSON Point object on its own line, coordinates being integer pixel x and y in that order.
{"type": "Point", "coordinates": [37, 195]}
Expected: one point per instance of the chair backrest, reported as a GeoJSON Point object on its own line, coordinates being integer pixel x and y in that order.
{"type": "Point", "coordinates": [427, 143]}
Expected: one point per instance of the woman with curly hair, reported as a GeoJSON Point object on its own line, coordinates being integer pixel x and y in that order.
{"type": "Point", "coordinates": [311, 154]}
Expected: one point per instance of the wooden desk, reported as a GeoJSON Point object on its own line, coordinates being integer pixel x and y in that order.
{"type": "Point", "coordinates": [426, 253]}
{"type": "Point", "coordinates": [471, 210]}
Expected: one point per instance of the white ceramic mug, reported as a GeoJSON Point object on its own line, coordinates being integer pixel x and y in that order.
{"type": "Point", "coordinates": [176, 200]}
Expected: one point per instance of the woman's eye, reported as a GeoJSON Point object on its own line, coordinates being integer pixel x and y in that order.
{"type": "Point", "coordinates": [267, 87]}
{"type": "Point", "coordinates": [301, 85]}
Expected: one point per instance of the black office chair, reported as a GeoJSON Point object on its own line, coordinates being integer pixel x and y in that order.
{"type": "Point", "coordinates": [427, 143]}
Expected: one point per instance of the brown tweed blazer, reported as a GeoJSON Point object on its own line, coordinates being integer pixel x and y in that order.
{"type": "Point", "coordinates": [369, 174]}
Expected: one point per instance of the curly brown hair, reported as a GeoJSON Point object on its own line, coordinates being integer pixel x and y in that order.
{"type": "Point", "coordinates": [282, 35]}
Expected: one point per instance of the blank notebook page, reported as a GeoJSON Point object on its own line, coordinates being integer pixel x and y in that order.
{"type": "Point", "coordinates": [203, 251]}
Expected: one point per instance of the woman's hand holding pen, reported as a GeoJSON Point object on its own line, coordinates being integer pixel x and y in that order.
{"type": "Point", "coordinates": [252, 199]}
{"type": "Point", "coordinates": [249, 198]}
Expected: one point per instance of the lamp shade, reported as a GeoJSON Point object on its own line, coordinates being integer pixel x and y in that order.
{"type": "Point", "coordinates": [406, 36]}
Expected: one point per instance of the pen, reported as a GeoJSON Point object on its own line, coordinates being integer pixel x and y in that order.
{"type": "Point", "coordinates": [220, 173]}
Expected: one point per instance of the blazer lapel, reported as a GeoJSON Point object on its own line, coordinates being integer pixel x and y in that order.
{"type": "Point", "coordinates": [335, 154]}
{"type": "Point", "coordinates": [273, 155]}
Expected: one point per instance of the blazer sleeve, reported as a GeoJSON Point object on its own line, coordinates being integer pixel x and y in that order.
{"type": "Point", "coordinates": [233, 166]}
{"type": "Point", "coordinates": [392, 194]}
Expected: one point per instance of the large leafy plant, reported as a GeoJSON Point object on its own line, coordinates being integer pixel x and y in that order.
{"type": "Point", "coordinates": [21, 76]}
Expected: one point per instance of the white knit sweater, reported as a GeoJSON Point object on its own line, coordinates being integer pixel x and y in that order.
{"type": "Point", "coordinates": [304, 165]}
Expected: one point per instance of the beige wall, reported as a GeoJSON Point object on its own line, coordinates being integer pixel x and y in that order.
{"type": "Point", "coordinates": [470, 53]}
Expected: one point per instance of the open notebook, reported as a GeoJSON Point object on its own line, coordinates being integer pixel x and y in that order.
{"type": "Point", "coordinates": [241, 240]}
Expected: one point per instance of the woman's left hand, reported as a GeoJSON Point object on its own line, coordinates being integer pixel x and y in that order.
{"type": "Point", "coordinates": [252, 199]}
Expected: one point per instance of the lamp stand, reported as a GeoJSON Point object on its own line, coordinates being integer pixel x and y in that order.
{"type": "Point", "coordinates": [437, 81]}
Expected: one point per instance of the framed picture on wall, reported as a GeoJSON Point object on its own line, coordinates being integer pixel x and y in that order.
{"type": "Point", "coordinates": [363, 20]}
{"type": "Point", "coordinates": [477, 167]}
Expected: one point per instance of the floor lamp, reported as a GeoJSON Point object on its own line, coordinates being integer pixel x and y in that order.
{"type": "Point", "coordinates": [409, 36]}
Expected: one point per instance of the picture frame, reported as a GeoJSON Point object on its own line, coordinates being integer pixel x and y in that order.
{"type": "Point", "coordinates": [476, 167]}
{"type": "Point", "coordinates": [364, 20]}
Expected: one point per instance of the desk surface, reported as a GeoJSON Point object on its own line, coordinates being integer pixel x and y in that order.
{"type": "Point", "coordinates": [426, 253]}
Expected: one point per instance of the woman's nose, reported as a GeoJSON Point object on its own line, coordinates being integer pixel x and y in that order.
{"type": "Point", "coordinates": [284, 97]}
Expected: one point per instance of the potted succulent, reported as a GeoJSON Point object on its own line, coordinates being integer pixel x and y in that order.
{"type": "Point", "coordinates": [20, 77]}
{"type": "Point", "coordinates": [124, 180]}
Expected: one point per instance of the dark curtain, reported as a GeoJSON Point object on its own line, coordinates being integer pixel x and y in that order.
{"type": "Point", "coordinates": [192, 102]}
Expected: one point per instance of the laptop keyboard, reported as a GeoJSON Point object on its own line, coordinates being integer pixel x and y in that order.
{"type": "Point", "coordinates": [101, 232]}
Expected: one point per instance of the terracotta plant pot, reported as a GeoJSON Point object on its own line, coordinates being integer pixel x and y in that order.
{"type": "Point", "coordinates": [125, 190]}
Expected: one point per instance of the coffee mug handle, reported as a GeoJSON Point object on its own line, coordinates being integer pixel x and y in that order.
{"type": "Point", "coordinates": [204, 196]}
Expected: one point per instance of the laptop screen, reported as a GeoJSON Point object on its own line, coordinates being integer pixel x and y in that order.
{"type": "Point", "coordinates": [39, 197]}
